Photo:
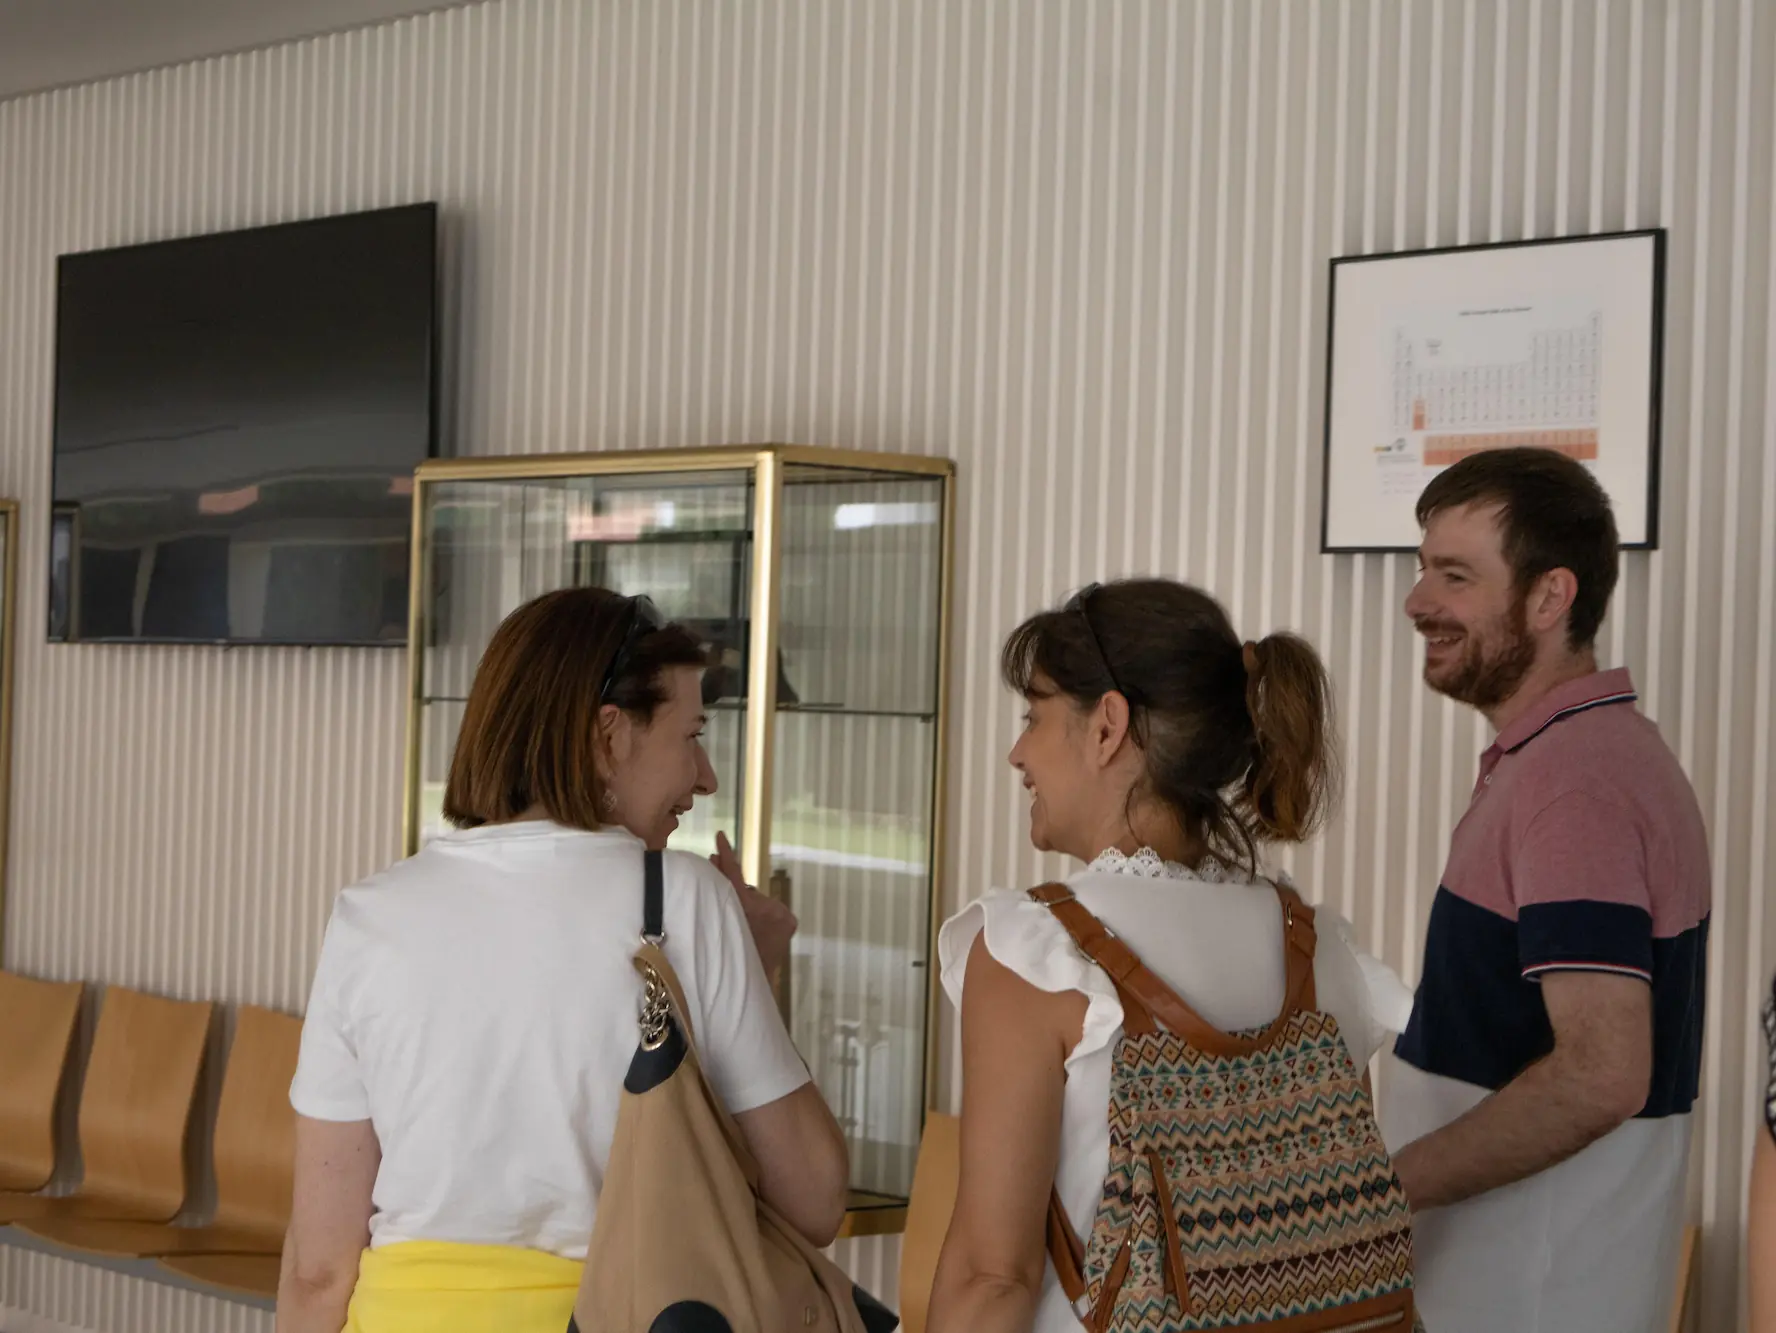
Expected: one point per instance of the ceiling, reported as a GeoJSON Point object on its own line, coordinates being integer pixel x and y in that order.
{"type": "Point", "coordinates": [47, 43]}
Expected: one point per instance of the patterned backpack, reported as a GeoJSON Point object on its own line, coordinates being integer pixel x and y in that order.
{"type": "Point", "coordinates": [1248, 1185]}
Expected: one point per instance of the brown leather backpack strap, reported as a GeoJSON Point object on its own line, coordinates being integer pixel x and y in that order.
{"type": "Point", "coordinates": [1145, 998]}
{"type": "Point", "coordinates": [1094, 939]}
{"type": "Point", "coordinates": [1098, 943]}
{"type": "Point", "coordinates": [1300, 941]}
{"type": "Point", "coordinates": [1064, 1250]}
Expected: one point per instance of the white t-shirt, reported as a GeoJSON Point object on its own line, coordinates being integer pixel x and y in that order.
{"type": "Point", "coordinates": [1562, 1251]}
{"type": "Point", "coordinates": [477, 1004]}
{"type": "Point", "coordinates": [1217, 941]}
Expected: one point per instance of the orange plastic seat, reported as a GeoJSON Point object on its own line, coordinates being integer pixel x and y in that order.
{"type": "Point", "coordinates": [253, 1150]}
{"type": "Point", "coordinates": [36, 1040]}
{"type": "Point", "coordinates": [135, 1113]}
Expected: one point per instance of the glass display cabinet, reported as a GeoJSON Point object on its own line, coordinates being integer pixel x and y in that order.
{"type": "Point", "coordinates": [819, 579]}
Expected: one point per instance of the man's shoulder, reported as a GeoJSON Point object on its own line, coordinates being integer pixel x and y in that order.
{"type": "Point", "coordinates": [1614, 756]}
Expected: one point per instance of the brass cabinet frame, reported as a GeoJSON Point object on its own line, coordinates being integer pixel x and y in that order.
{"type": "Point", "coordinates": [766, 463]}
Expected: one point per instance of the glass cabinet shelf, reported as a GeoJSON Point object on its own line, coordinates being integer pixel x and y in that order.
{"type": "Point", "coordinates": [819, 582]}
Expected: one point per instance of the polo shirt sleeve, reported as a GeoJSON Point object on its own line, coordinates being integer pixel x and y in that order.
{"type": "Point", "coordinates": [329, 1084]}
{"type": "Point", "coordinates": [1580, 884]}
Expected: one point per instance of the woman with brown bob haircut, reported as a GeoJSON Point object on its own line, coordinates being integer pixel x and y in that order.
{"type": "Point", "coordinates": [473, 1012]}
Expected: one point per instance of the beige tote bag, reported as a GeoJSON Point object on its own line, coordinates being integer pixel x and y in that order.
{"type": "Point", "coordinates": [682, 1242]}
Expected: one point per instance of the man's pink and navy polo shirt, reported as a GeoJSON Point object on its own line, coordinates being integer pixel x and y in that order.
{"type": "Point", "coordinates": [1583, 849]}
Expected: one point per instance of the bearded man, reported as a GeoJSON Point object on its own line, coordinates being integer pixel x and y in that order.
{"type": "Point", "coordinates": [1539, 1106]}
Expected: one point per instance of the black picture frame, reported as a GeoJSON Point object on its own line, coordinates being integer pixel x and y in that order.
{"type": "Point", "coordinates": [1336, 537]}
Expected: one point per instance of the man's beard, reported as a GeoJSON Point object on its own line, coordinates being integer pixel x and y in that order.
{"type": "Point", "coordinates": [1493, 664]}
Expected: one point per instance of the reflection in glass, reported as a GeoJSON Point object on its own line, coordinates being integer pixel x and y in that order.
{"type": "Point", "coordinates": [851, 821]}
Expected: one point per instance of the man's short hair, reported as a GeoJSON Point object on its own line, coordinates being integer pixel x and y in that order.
{"type": "Point", "coordinates": [1552, 514]}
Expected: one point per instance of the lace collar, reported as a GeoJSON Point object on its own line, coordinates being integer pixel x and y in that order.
{"type": "Point", "coordinates": [1146, 864]}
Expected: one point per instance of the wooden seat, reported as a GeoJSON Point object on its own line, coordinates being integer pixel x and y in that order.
{"type": "Point", "coordinates": [928, 1215]}
{"type": "Point", "coordinates": [254, 1145]}
{"type": "Point", "coordinates": [135, 1112]}
{"type": "Point", "coordinates": [35, 1042]}
{"type": "Point", "coordinates": [243, 1274]}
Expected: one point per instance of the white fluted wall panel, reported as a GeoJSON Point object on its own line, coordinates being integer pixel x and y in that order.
{"type": "Point", "coordinates": [1080, 248]}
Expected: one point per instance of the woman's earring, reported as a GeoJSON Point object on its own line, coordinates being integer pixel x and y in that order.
{"type": "Point", "coordinates": [607, 803]}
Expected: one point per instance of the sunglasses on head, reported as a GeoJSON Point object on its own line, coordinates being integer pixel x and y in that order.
{"type": "Point", "coordinates": [643, 619]}
{"type": "Point", "coordinates": [1079, 604]}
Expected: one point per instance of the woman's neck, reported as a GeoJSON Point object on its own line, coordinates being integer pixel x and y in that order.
{"type": "Point", "coordinates": [1161, 835]}
{"type": "Point", "coordinates": [534, 813]}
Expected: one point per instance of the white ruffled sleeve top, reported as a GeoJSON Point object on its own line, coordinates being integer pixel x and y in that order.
{"type": "Point", "coordinates": [1214, 938]}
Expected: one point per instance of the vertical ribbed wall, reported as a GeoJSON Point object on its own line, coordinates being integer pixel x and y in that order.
{"type": "Point", "coordinates": [1081, 249]}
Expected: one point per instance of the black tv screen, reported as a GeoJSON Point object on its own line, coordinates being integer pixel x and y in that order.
{"type": "Point", "coordinates": [237, 420]}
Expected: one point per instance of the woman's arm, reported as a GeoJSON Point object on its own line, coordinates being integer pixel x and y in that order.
{"type": "Point", "coordinates": [1015, 1041]}
{"type": "Point", "coordinates": [804, 1167]}
{"type": "Point", "coordinates": [335, 1172]}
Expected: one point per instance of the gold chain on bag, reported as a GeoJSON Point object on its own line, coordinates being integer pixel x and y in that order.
{"type": "Point", "coordinates": [656, 1010]}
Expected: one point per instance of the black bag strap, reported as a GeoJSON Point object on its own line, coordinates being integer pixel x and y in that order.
{"type": "Point", "coordinates": [653, 912]}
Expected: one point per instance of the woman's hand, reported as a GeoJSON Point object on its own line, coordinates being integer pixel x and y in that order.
{"type": "Point", "coordinates": [773, 924]}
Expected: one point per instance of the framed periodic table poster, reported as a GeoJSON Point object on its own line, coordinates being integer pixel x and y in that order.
{"type": "Point", "coordinates": [1437, 354]}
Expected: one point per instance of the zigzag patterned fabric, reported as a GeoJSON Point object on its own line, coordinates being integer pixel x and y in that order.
{"type": "Point", "coordinates": [1284, 1204]}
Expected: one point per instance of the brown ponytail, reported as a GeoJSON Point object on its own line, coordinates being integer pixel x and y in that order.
{"type": "Point", "coordinates": [1236, 740]}
{"type": "Point", "coordinates": [1293, 781]}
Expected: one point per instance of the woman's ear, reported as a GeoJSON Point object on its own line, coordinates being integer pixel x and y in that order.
{"type": "Point", "coordinates": [615, 739]}
{"type": "Point", "coordinates": [1108, 728]}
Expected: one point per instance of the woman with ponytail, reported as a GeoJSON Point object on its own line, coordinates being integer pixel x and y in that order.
{"type": "Point", "coordinates": [1162, 754]}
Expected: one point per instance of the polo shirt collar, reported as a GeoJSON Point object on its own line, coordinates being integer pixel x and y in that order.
{"type": "Point", "coordinates": [1597, 690]}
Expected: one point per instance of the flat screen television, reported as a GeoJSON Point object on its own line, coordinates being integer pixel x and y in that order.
{"type": "Point", "coordinates": [237, 420]}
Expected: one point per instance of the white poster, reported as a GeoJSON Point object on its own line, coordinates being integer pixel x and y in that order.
{"type": "Point", "coordinates": [1442, 354]}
